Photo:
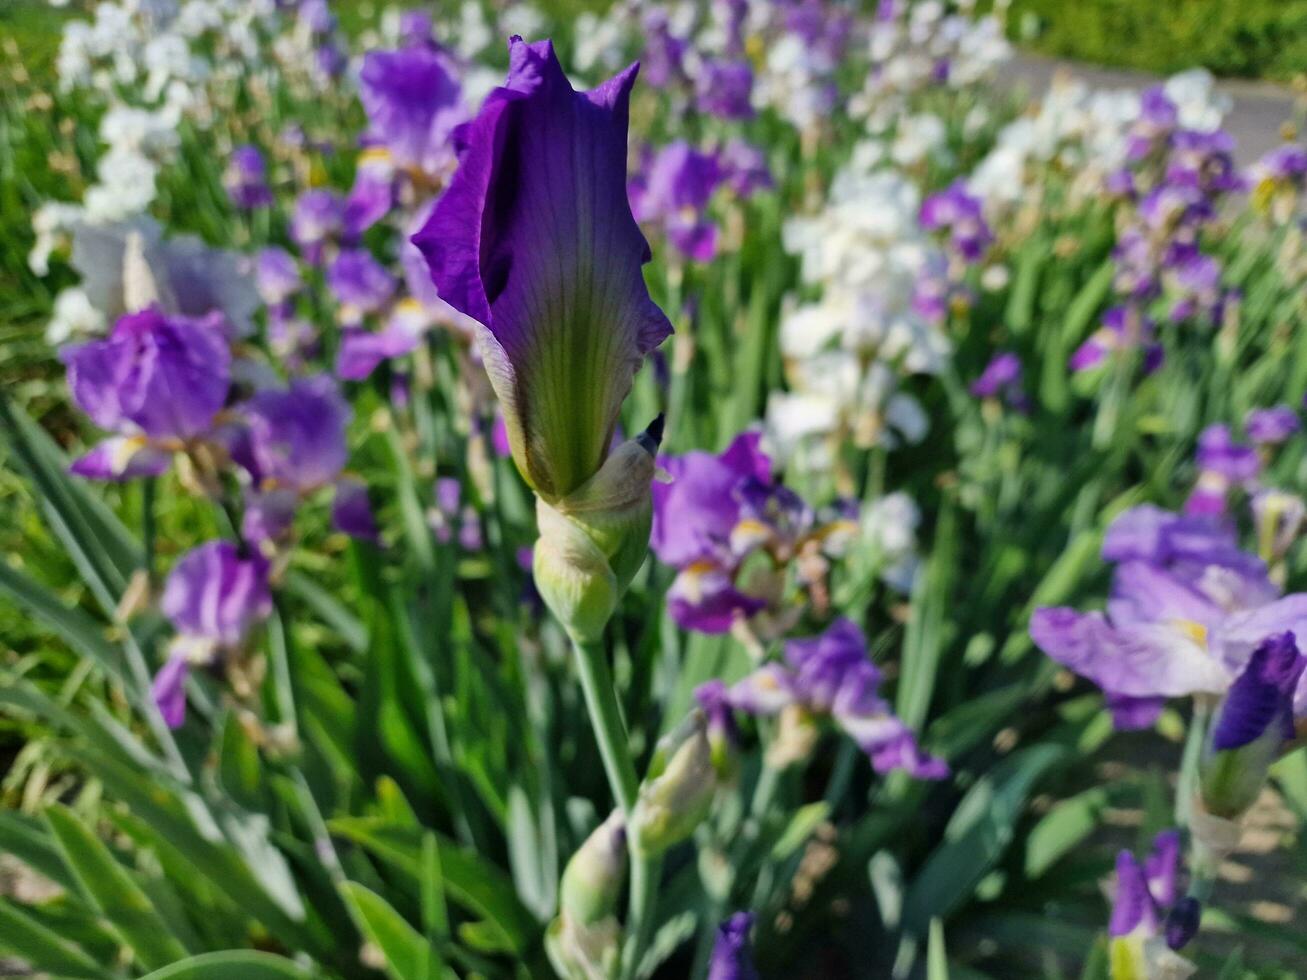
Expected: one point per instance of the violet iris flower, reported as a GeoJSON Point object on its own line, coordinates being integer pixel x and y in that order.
{"type": "Point", "coordinates": [1187, 609]}
{"type": "Point", "coordinates": [373, 193]}
{"type": "Point", "coordinates": [673, 190]}
{"type": "Point", "coordinates": [725, 89]}
{"type": "Point", "coordinates": [744, 168]}
{"type": "Point", "coordinates": [277, 276]}
{"type": "Point", "coordinates": [213, 597]}
{"type": "Point", "coordinates": [1223, 464]}
{"type": "Point", "coordinates": [318, 218]}
{"type": "Point", "coordinates": [413, 101]}
{"type": "Point", "coordinates": [1002, 379]}
{"type": "Point", "coordinates": [296, 447]}
{"type": "Point", "coordinates": [831, 676]}
{"type": "Point", "coordinates": [246, 178]}
{"type": "Point", "coordinates": [1124, 328]}
{"type": "Point", "coordinates": [534, 240]}
{"type": "Point", "coordinates": [962, 215]}
{"type": "Point", "coordinates": [1141, 946]}
{"type": "Point", "coordinates": [360, 284]}
{"type": "Point", "coordinates": [156, 382]}
{"type": "Point", "coordinates": [1271, 426]}
{"type": "Point", "coordinates": [732, 954]}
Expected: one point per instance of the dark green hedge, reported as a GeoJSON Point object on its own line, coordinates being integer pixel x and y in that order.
{"type": "Point", "coordinates": [1248, 38]}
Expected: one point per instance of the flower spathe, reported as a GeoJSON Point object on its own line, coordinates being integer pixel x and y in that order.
{"type": "Point", "coordinates": [535, 241]}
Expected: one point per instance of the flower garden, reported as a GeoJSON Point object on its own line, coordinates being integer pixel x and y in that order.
{"type": "Point", "coordinates": [718, 489]}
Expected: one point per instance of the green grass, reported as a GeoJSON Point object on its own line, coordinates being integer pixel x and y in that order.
{"type": "Point", "coordinates": [1238, 38]}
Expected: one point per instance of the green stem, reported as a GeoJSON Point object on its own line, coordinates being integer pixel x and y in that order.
{"type": "Point", "coordinates": [614, 749]}
{"type": "Point", "coordinates": [149, 532]}
{"type": "Point", "coordinates": [606, 719]}
{"type": "Point", "coordinates": [1187, 785]}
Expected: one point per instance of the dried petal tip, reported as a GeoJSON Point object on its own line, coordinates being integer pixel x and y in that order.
{"type": "Point", "coordinates": [651, 438]}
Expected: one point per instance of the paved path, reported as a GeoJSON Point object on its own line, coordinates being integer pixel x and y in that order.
{"type": "Point", "coordinates": [1260, 108]}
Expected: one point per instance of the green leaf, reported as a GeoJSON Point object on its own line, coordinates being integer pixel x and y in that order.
{"type": "Point", "coordinates": [240, 964]}
{"type": "Point", "coordinates": [112, 891]}
{"type": "Point", "coordinates": [41, 947]}
{"type": "Point", "coordinates": [936, 954]}
{"type": "Point", "coordinates": [979, 832]}
{"type": "Point", "coordinates": [77, 629]}
{"type": "Point", "coordinates": [468, 879]}
{"type": "Point", "coordinates": [1234, 968]}
{"type": "Point", "coordinates": [27, 840]}
{"type": "Point", "coordinates": [801, 826]}
{"type": "Point", "coordinates": [1062, 829]}
{"type": "Point", "coordinates": [408, 956]}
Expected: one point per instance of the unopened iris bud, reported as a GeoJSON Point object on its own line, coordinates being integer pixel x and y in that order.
{"type": "Point", "coordinates": [584, 941]}
{"type": "Point", "coordinates": [593, 541]}
{"type": "Point", "coordinates": [1254, 723]}
{"type": "Point", "coordinates": [592, 881]}
{"type": "Point", "coordinates": [675, 795]}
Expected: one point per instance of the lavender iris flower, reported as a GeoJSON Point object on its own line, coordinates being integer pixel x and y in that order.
{"type": "Point", "coordinates": [831, 676]}
{"type": "Point", "coordinates": [1186, 611]}
{"type": "Point", "coordinates": [413, 101]}
{"type": "Point", "coordinates": [156, 382]}
{"type": "Point", "coordinates": [360, 284]}
{"type": "Point", "coordinates": [1124, 328]}
{"type": "Point", "coordinates": [732, 956]}
{"type": "Point", "coordinates": [277, 276]}
{"type": "Point", "coordinates": [246, 179]}
{"type": "Point", "coordinates": [297, 446]}
{"type": "Point", "coordinates": [1223, 464]}
{"type": "Point", "coordinates": [744, 168]}
{"type": "Point", "coordinates": [962, 215]}
{"type": "Point", "coordinates": [1141, 946]}
{"type": "Point", "coordinates": [1271, 426]}
{"type": "Point", "coordinates": [1002, 379]}
{"type": "Point", "coordinates": [373, 193]}
{"type": "Point", "coordinates": [673, 190]}
{"type": "Point", "coordinates": [318, 218]}
{"type": "Point", "coordinates": [534, 240]}
{"type": "Point", "coordinates": [213, 597]}
{"type": "Point", "coordinates": [725, 89]}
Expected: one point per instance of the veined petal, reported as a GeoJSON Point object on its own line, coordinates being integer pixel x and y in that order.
{"type": "Point", "coordinates": [1139, 660]}
{"type": "Point", "coordinates": [534, 239]}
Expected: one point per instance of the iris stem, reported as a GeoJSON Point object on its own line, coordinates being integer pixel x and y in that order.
{"type": "Point", "coordinates": [614, 749]}
{"type": "Point", "coordinates": [1187, 785]}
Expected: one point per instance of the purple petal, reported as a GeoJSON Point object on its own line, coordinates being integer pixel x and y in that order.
{"type": "Point", "coordinates": [214, 593]}
{"type": "Point", "coordinates": [534, 239]}
{"type": "Point", "coordinates": [705, 600]}
{"type": "Point", "coordinates": [298, 434]}
{"type": "Point", "coordinates": [1132, 905]}
{"type": "Point", "coordinates": [121, 458]}
{"type": "Point", "coordinates": [732, 957]}
{"type": "Point", "coordinates": [169, 690]}
{"type": "Point", "coordinates": [1262, 696]}
{"type": "Point", "coordinates": [351, 511]}
{"type": "Point", "coordinates": [413, 102]}
{"type": "Point", "coordinates": [1140, 660]}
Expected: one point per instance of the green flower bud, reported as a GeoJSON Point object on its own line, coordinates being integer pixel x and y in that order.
{"type": "Point", "coordinates": [676, 794]}
{"type": "Point", "coordinates": [593, 541]}
{"type": "Point", "coordinates": [584, 952]}
{"type": "Point", "coordinates": [592, 881]}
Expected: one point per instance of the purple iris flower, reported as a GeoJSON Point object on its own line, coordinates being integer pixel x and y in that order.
{"type": "Point", "coordinates": [732, 956]}
{"type": "Point", "coordinates": [415, 27]}
{"type": "Point", "coordinates": [725, 89]}
{"type": "Point", "coordinates": [213, 597]}
{"type": "Point", "coordinates": [1002, 379]}
{"type": "Point", "coordinates": [362, 350]}
{"type": "Point", "coordinates": [1187, 609]}
{"type": "Point", "coordinates": [360, 284]}
{"type": "Point", "coordinates": [831, 675]}
{"type": "Point", "coordinates": [962, 215]}
{"type": "Point", "coordinates": [1271, 426]}
{"type": "Point", "coordinates": [319, 217]}
{"type": "Point", "coordinates": [413, 101]}
{"type": "Point", "coordinates": [277, 276]}
{"type": "Point", "coordinates": [1142, 890]}
{"type": "Point", "coordinates": [156, 382]}
{"type": "Point", "coordinates": [297, 434]}
{"type": "Point", "coordinates": [698, 510]}
{"type": "Point", "coordinates": [535, 241]}
{"type": "Point", "coordinates": [373, 193]}
{"type": "Point", "coordinates": [744, 168]}
{"type": "Point", "coordinates": [1284, 165]}
{"type": "Point", "coordinates": [673, 190]}
{"type": "Point", "coordinates": [1223, 464]}
{"type": "Point", "coordinates": [351, 511]}
{"type": "Point", "coordinates": [663, 58]}
{"type": "Point", "coordinates": [1124, 328]}
{"type": "Point", "coordinates": [246, 179]}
